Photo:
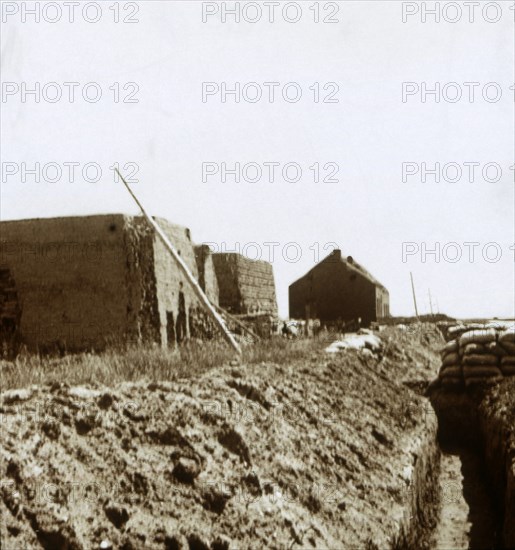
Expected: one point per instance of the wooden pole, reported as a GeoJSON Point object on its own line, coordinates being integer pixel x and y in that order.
{"type": "Point", "coordinates": [204, 300]}
{"type": "Point", "coordinates": [413, 290]}
{"type": "Point", "coordinates": [238, 322]}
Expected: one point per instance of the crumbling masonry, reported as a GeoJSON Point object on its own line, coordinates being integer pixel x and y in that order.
{"type": "Point", "coordinates": [87, 282]}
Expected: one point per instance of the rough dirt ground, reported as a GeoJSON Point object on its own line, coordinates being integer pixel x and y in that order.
{"type": "Point", "coordinates": [467, 517]}
{"type": "Point", "coordinates": [309, 454]}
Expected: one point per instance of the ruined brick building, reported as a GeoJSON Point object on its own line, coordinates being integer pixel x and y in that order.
{"type": "Point", "coordinates": [245, 286]}
{"type": "Point", "coordinates": [338, 288]}
{"type": "Point", "coordinates": [86, 282]}
{"type": "Point", "coordinates": [247, 290]}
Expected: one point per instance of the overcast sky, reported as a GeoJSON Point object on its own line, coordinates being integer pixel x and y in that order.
{"type": "Point", "coordinates": [357, 140]}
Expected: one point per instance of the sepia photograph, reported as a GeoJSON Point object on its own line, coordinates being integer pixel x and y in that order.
{"type": "Point", "coordinates": [257, 275]}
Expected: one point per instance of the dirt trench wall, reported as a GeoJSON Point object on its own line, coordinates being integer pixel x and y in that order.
{"type": "Point", "coordinates": [473, 397]}
{"type": "Point", "coordinates": [417, 526]}
{"type": "Point", "coordinates": [245, 286]}
{"type": "Point", "coordinates": [470, 418]}
{"type": "Point", "coordinates": [499, 444]}
{"type": "Point", "coordinates": [70, 275]}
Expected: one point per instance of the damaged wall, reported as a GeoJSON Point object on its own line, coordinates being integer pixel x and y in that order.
{"type": "Point", "coordinates": [70, 278]}
{"type": "Point", "coordinates": [85, 282]}
{"type": "Point", "coordinates": [206, 272]}
{"type": "Point", "coordinates": [174, 294]}
{"type": "Point", "coordinates": [143, 323]}
{"type": "Point", "coordinates": [245, 286]}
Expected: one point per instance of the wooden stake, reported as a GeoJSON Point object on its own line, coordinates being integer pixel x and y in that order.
{"type": "Point", "coordinates": [204, 300]}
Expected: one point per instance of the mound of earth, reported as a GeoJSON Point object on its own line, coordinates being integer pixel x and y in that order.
{"type": "Point", "coordinates": [315, 453]}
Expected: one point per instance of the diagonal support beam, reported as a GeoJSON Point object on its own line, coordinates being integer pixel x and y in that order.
{"type": "Point", "coordinates": [204, 300]}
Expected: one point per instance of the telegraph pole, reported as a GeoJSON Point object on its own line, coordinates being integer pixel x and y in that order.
{"type": "Point", "coordinates": [414, 297]}
{"type": "Point", "coordinates": [430, 302]}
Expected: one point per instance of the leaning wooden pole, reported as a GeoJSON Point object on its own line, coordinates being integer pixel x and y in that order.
{"type": "Point", "coordinates": [204, 300]}
{"type": "Point", "coordinates": [413, 291]}
{"type": "Point", "coordinates": [238, 322]}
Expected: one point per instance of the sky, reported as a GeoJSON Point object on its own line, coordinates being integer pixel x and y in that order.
{"type": "Point", "coordinates": [352, 151]}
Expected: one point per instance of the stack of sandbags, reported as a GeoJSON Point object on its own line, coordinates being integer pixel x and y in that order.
{"type": "Point", "coordinates": [451, 374]}
{"type": "Point", "coordinates": [478, 354]}
{"type": "Point", "coordinates": [456, 331]}
{"type": "Point", "coordinates": [507, 343]}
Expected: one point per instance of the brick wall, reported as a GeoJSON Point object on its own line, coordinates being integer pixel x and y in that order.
{"type": "Point", "coordinates": [86, 282]}
{"type": "Point", "coordinates": [245, 286]}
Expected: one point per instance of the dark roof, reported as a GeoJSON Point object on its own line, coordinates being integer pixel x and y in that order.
{"type": "Point", "coordinates": [351, 264]}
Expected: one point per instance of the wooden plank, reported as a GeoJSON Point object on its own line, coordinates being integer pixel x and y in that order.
{"type": "Point", "coordinates": [204, 300]}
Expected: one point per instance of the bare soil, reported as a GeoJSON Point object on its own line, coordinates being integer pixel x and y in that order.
{"type": "Point", "coordinates": [317, 452]}
{"type": "Point", "coordinates": [468, 518]}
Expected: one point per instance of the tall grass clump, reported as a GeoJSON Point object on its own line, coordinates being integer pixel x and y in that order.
{"type": "Point", "coordinates": [150, 362]}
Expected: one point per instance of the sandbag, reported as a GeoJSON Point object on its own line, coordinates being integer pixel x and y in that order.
{"type": "Point", "coordinates": [480, 371]}
{"type": "Point", "coordinates": [451, 359]}
{"type": "Point", "coordinates": [482, 381]}
{"type": "Point", "coordinates": [478, 336]}
{"type": "Point", "coordinates": [450, 371]}
{"type": "Point", "coordinates": [508, 370]}
{"type": "Point", "coordinates": [476, 359]}
{"type": "Point", "coordinates": [450, 347]}
{"type": "Point", "coordinates": [510, 348]}
{"type": "Point", "coordinates": [508, 335]}
{"type": "Point", "coordinates": [498, 325]}
{"type": "Point", "coordinates": [474, 348]}
{"type": "Point", "coordinates": [508, 360]}
{"type": "Point", "coordinates": [495, 348]}
{"type": "Point", "coordinates": [457, 330]}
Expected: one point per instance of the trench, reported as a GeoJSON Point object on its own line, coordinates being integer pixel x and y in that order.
{"type": "Point", "coordinates": [463, 488]}
{"type": "Point", "coordinates": [468, 517]}
{"type": "Point", "coordinates": [470, 481]}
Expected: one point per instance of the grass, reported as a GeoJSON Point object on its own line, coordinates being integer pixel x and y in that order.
{"type": "Point", "coordinates": [146, 363]}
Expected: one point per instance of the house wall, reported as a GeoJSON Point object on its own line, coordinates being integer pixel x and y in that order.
{"type": "Point", "coordinates": [71, 276]}
{"type": "Point", "coordinates": [245, 286]}
{"type": "Point", "coordinates": [333, 290]}
{"type": "Point", "coordinates": [382, 302]}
